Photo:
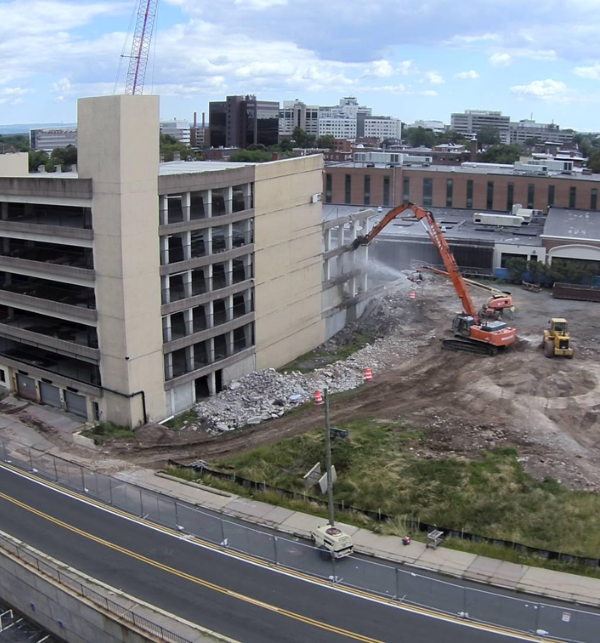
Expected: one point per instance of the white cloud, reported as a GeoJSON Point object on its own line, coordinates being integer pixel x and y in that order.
{"type": "Point", "coordinates": [470, 40]}
{"type": "Point", "coordinates": [260, 4]}
{"type": "Point", "coordinates": [406, 67]}
{"type": "Point", "coordinates": [549, 90]}
{"type": "Point", "coordinates": [467, 75]}
{"type": "Point", "coordinates": [15, 91]}
{"type": "Point", "coordinates": [380, 69]}
{"type": "Point", "coordinates": [592, 72]}
{"type": "Point", "coordinates": [500, 60]}
{"type": "Point", "coordinates": [433, 78]}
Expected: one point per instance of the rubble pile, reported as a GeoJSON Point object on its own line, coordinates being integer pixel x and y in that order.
{"type": "Point", "coordinates": [268, 394]}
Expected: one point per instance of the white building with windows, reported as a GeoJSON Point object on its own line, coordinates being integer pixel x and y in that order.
{"type": "Point", "coordinates": [382, 127]}
{"type": "Point", "coordinates": [49, 138]}
{"type": "Point", "coordinates": [179, 129]}
{"type": "Point", "coordinates": [294, 114]}
{"type": "Point", "coordinates": [471, 121]}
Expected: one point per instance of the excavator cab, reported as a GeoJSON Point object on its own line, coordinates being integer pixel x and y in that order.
{"type": "Point", "coordinates": [557, 341]}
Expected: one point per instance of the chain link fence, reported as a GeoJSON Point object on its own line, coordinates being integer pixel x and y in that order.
{"type": "Point", "coordinates": [388, 581]}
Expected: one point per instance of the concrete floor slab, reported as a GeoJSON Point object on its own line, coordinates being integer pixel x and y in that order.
{"type": "Point", "coordinates": [277, 515]}
{"type": "Point", "coordinates": [449, 560]}
{"type": "Point", "coordinates": [302, 524]}
{"type": "Point", "coordinates": [559, 584]}
{"type": "Point", "coordinates": [250, 508]}
{"type": "Point", "coordinates": [509, 574]}
{"type": "Point", "coordinates": [387, 546]}
{"type": "Point", "coordinates": [482, 569]}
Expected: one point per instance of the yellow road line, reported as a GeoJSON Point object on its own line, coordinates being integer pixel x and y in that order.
{"type": "Point", "coordinates": [248, 558]}
{"type": "Point", "coordinates": [189, 577]}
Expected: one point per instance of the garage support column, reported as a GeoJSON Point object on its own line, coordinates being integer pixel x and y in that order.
{"type": "Point", "coordinates": [186, 201]}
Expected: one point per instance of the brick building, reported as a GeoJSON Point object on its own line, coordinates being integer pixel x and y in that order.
{"type": "Point", "coordinates": [458, 187]}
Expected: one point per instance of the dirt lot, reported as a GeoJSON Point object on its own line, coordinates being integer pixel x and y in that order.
{"type": "Point", "coordinates": [547, 408]}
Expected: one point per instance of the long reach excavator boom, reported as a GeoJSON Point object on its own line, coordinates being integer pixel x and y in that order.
{"type": "Point", "coordinates": [471, 334]}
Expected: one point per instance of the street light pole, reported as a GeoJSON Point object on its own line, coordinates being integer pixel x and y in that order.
{"type": "Point", "coordinates": [328, 460]}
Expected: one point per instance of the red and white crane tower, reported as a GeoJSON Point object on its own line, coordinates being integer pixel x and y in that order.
{"type": "Point", "coordinates": [140, 47]}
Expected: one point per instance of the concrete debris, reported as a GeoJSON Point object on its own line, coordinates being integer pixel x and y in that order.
{"type": "Point", "coordinates": [268, 394]}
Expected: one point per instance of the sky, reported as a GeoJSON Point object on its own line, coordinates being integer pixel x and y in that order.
{"type": "Point", "coordinates": [411, 60]}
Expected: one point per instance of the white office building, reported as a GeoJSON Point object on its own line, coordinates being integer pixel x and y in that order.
{"type": "Point", "coordinates": [294, 114]}
{"type": "Point", "coordinates": [541, 132]}
{"type": "Point", "coordinates": [381, 127]}
{"type": "Point", "coordinates": [179, 129]}
{"type": "Point", "coordinates": [472, 121]}
{"type": "Point", "coordinates": [50, 138]}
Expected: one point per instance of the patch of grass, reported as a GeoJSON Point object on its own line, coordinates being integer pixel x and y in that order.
{"type": "Point", "coordinates": [183, 419]}
{"type": "Point", "coordinates": [106, 431]}
{"type": "Point", "coordinates": [399, 526]}
{"type": "Point", "coordinates": [320, 357]}
{"type": "Point", "coordinates": [379, 470]}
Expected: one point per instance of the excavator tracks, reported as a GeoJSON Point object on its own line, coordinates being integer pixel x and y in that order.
{"type": "Point", "coordinates": [466, 346]}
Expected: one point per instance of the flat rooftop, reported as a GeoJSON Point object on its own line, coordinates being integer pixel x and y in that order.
{"type": "Point", "coordinates": [582, 225]}
{"type": "Point", "coordinates": [458, 169]}
{"type": "Point", "coordinates": [457, 225]}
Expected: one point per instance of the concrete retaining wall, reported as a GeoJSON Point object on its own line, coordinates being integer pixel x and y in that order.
{"type": "Point", "coordinates": [80, 609]}
{"type": "Point", "coordinates": [55, 609]}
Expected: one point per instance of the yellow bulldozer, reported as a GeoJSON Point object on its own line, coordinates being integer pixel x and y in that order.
{"type": "Point", "coordinates": [556, 340]}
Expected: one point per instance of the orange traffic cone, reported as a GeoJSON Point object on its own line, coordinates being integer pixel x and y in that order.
{"type": "Point", "coordinates": [318, 397]}
{"type": "Point", "coordinates": [413, 294]}
{"type": "Point", "coordinates": [368, 375]}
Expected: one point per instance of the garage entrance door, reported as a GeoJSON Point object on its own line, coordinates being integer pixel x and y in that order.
{"type": "Point", "coordinates": [50, 395]}
{"type": "Point", "coordinates": [76, 404]}
{"type": "Point", "coordinates": [26, 387]}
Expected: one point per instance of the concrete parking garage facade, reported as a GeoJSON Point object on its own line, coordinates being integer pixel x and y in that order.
{"type": "Point", "coordinates": [131, 289]}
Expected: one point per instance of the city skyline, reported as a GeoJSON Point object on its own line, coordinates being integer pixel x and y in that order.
{"type": "Point", "coordinates": [442, 59]}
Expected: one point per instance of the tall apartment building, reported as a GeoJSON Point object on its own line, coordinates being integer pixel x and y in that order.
{"type": "Point", "coordinates": [240, 121]}
{"type": "Point", "coordinates": [543, 132]}
{"type": "Point", "coordinates": [297, 114]}
{"type": "Point", "coordinates": [380, 127]}
{"type": "Point", "coordinates": [471, 121]}
{"type": "Point", "coordinates": [49, 138]}
{"type": "Point", "coordinates": [179, 129]}
{"type": "Point", "coordinates": [133, 288]}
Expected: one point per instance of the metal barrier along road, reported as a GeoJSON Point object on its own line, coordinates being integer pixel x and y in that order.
{"type": "Point", "coordinates": [554, 621]}
{"type": "Point", "coordinates": [51, 571]}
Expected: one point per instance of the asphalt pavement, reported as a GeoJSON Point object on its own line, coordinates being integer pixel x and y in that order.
{"type": "Point", "coordinates": [242, 600]}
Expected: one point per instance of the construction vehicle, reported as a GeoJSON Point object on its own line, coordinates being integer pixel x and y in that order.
{"type": "Point", "coordinates": [332, 542]}
{"type": "Point", "coordinates": [470, 332]}
{"type": "Point", "coordinates": [556, 341]}
{"type": "Point", "coordinates": [494, 306]}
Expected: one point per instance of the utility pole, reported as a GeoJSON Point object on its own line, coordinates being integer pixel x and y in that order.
{"type": "Point", "coordinates": [328, 460]}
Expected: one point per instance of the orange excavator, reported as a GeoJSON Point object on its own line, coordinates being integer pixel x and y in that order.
{"type": "Point", "coordinates": [470, 332]}
{"type": "Point", "coordinates": [499, 301]}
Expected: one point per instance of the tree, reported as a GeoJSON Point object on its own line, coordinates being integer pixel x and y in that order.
{"type": "Point", "coordinates": [251, 156]}
{"type": "Point", "coordinates": [418, 136]}
{"type": "Point", "coordinates": [37, 158]}
{"type": "Point", "coordinates": [303, 139]}
{"type": "Point", "coordinates": [594, 162]}
{"type": "Point", "coordinates": [502, 154]}
{"type": "Point", "coordinates": [326, 142]}
{"type": "Point", "coordinates": [285, 145]}
{"type": "Point", "coordinates": [450, 137]}
{"type": "Point", "coordinates": [18, 142]}
{"type": "Point", "coordinates": [517, 267]}
{"type": "Point", "coordinates": [488, 135]}
{"type": "Point", "coordinates": [64, 155]}
{"type": "Point", "coordinates": [169, 145]}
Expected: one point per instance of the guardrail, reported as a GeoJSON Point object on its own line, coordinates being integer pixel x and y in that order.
{"type": "Point", "coordinates": [394, 583]}
{"type": "Point", "coordinates": [43, 567]}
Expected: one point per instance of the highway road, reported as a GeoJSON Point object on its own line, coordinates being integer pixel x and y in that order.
{"type": "Point", "coordinates": [245, 601]}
